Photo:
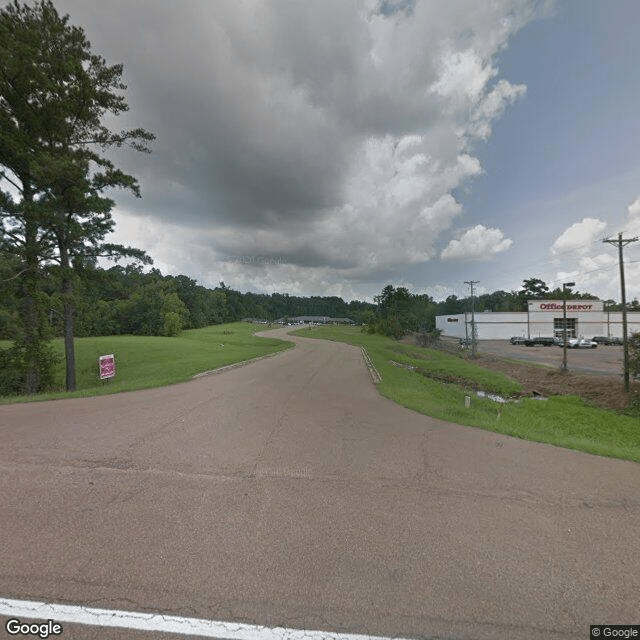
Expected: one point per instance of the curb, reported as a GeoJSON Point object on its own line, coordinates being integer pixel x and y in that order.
{"type": "Point", "coordinates": [235, 365]}
{"type": "Point", "coordinates": [375, 376]}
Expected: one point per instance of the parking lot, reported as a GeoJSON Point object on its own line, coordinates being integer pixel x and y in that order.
{"type": "Point", "coordinates": [603, 359]}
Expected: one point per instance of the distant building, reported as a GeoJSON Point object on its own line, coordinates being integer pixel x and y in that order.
{"type": "Point", "coordinates": [585, 318]}
{"type": "Point", "coordinates": [316, 320]}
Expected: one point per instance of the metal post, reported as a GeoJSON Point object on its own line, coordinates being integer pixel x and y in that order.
{"type": "Point", "coordinates": [473, 319]}
{"type": "Point", "coordinates": [564, 323]}
{"type": "Point", "coordinates": [625, 344]}
{"type": "Point", "coordinates": [564, 330]}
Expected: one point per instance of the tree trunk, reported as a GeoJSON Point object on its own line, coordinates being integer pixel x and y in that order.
{"type": "Point", "coordinates": [32, 338]}
{"type": "Point", "coordinates": [69, 349]}
{"type": "Point", "coordinates": [69, 315]}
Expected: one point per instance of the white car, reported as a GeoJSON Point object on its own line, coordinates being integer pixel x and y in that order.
{"type": "Point", "coordinates": [581, 343]}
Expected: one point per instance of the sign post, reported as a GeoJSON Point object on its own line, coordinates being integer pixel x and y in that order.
{"type": "Point", "coordinates": [107, 366]}
{"type": "Point", "coordinates": [564, 323]}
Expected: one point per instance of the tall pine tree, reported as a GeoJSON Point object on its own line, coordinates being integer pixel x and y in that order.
{"type": "Point", "coordinates": [54, 94]}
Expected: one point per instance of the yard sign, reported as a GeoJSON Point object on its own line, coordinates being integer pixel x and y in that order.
{"type": "Point", "coordinates": [107, 366]}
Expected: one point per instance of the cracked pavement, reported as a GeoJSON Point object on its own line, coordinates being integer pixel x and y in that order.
{"type": "Point", "coordinates": [289, 493]}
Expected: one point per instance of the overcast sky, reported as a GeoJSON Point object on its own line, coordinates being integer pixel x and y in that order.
{"type": "Point", "coordinates": [331, 147]}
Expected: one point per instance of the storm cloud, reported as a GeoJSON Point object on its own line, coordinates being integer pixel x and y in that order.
{"type": "Point", "coordinates": [328, 138]}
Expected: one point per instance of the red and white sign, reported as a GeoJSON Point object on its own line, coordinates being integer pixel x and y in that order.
{"type": "Point", "coordinates": [107, 365]}
{"type": "Point", "coordinates": [572, 305]}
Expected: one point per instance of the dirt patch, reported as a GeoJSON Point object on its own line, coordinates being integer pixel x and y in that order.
{"type": "Point", "coordinates": [606, 391]}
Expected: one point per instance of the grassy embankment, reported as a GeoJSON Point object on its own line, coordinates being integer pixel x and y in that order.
{"type": "Point", "coordinates": [143, 362]}
{"type": "Point", "coordinates": [565, 421]}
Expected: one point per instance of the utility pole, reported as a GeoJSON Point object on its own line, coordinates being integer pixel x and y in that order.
{"type": "Point", "coordinates": [621, 242]}
{"type": "Point", "coordinates": [473, 318]}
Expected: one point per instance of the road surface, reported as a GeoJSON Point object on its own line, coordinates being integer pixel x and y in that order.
{"type": "Point", "coordinates": [290, 493]}
{"type": "Point", "coordinates": [603, 360]}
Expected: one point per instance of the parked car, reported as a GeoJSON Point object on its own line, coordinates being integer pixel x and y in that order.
{"type": "Point", "coordinates": [517, 340]}
{"type": "Point", "coordinates": [541, 340]}
{"type": "Point", "coordinates": [581, 343]}
{"type": "Point", "coordinates": [607, 340]}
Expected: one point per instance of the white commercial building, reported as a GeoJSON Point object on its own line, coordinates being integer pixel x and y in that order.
{"type": "Point", "coordinates": [585, 318]}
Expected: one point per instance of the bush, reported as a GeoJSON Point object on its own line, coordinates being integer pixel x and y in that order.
{"type": "Point", "coordinates": [13, 377]}
{"type": "Point", "coordinates": [172, 324]}
{"type": "Point", "coordinates": [391, 327]}
{"type": "Point", "coordinates": [633, 408]}
{"type": "Point", "coordinates": [634, 353]}
{"type": "Point", "coordinates": [14, 369]}
{"type": "Point", "coordinates": [428, 338]}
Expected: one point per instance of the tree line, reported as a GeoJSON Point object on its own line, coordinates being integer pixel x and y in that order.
{"type": "Point", "coordinates": [126, 300]}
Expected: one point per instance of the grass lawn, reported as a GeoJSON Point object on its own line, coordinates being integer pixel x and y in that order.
{"type": "Point", "coordinates": [149, 361]}
{"type": "Point", "coordinates": [565, 421]}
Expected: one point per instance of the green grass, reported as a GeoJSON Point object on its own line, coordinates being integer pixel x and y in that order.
{"type": "Point", "coordinates": [143, 362]}
{"type": "Point", "coordinates": [565, 421]}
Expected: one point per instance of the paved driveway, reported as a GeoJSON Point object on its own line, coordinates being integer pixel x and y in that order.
{"type": "Point", "coordinates": [289, 493]}
{"type": "Point", "coordinates": [604, 359]}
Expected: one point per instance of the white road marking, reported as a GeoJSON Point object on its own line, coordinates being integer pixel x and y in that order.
{"type": "Point", "coordinates": [158, 622]}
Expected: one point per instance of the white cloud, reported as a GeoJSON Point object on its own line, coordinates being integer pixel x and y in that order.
{"type": "Point", "coordinates": [634, 208]}
{"type": "Point", "coordinates": [579, 237]}
{"type": "Point", "coordinates": [631, 227]}
{"type": "Point", "coordinates": [580, 255]}
{"type": "Point", "coordinates": [462, 77]}
{"type": "Point", "coordinates": [493, 106]}
{"type": "Point", "coordinates": [478, 243]}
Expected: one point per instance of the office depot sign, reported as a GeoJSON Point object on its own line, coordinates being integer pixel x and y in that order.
{"type": "Point", "coordinates": [572, 305]}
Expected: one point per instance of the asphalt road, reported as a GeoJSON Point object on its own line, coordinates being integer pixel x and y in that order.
{"type": "Point", "coordinates": [290, 493]}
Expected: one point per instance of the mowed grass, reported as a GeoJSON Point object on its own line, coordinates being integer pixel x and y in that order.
{"type": "Point", "coordinates": [565, 421]}
{"type": "Point", "coordinates": [143, 362]}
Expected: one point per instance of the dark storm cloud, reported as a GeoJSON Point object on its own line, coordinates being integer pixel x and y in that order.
{"type": "Point", "coordinates": [390, 7]}
{"type": "Point", "coordinates": [325, 135]}
{"type": "Point", "coordinates": [256, 108]}
{"type": "Point", "coordinates": [229, 107]}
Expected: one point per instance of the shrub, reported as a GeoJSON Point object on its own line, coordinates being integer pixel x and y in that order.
{"type": "Point", "coordinates": [14, 369]}
{"type": "Point", "coordinates": [428, 338]}
{"type": "Point", "coordinates": [172, 324]}
{"type": "Point", "coordinates": [390, 327]}
{"type": "Point", "coordinates": [634, 353]}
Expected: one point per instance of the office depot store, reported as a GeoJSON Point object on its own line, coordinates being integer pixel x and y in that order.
{"type": "Point", "coordinates": [585, 318]}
